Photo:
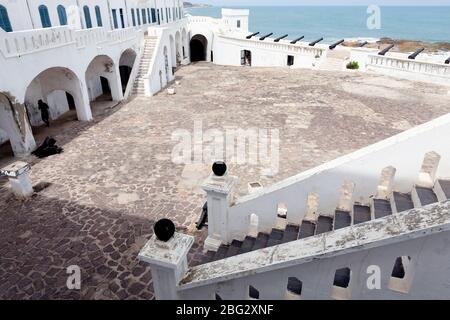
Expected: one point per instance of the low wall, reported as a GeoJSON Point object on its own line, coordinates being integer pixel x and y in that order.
{"type": "Point", "coordinates": [368, 250]}
{"type": "Point", "coordinates": [410, 69]}
{"type": "Point", "coordinates": [405, 152]}
{"type": "Point", "coordinates": [227, 51]}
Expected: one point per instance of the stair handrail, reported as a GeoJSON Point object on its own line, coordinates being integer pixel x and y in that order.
{"type": "Point", "coordinates": [404, 151]}
{"type": "Point", "coordinates": [415, 223]}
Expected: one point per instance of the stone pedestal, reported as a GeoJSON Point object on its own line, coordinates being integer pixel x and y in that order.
{"type": "Point", "coordinates": [168, 263]}
{"type": "Point", "coordinates": [17, 174]}
{"type": "Point", "coordinates": [220, 196]}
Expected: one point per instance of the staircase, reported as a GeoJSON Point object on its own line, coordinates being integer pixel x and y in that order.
{"type": "Point", "coordinates": [398, 202]}
{"type": "Point", "coordinates": [139, 88]}
{"type": "Point", "coordinates": [335, 60]}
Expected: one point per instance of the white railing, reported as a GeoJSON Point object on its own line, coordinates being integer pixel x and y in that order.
{"type": "Point", "coordinates": [417, 237]}
{"type": "Point", "coordinates": [422, 67]}
{"type": "Point", "coordinates": [300, 48]}
{"type": "Point", "coordinates": [405, 152]}
{"type": "Point", "coordinates": [13, 44]}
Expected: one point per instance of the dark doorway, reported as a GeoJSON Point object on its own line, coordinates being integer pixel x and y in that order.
{"type": "Point", "coordinates": [246, 58]}
{"type": "Point", "coordinates": [105, 85]}
{"type": "Point", "coordinates": [125, 72]}
{"type": "Point", "coordinates": [290, 61]}
{"type": "Point", "coordinates": [70, 101]}
{"type": "Point", "coordinates": [198, 46]}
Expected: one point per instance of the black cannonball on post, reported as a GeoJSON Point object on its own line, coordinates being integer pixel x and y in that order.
{"type": "Point", "coordinates": [164, 229]}
{"type": "Point", "coordinates": [219, 168]}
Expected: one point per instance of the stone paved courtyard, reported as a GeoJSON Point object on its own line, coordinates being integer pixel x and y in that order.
{"type": "Point", "coordinates": [96, 203]}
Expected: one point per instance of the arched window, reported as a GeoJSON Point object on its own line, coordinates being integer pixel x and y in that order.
{"type": "Point", "coordinates": [87, 17]}
{"type": "Point", "coordinates": [62, 15]}
{"type": "Point", "coordinates": [5, 24]}
{"type": "Point", "coordinates": [98, 14]}
{"type": "Point", "coordinates": [45, 18]}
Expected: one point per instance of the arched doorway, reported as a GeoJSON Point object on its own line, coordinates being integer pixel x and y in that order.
{"type": "Point", "coordinates": [102, 80]}
{"type": "Point", "coordinates": [61, 89]}
{"type": "Point", "coordinates": [126, 63]}
{"type": "Point", "coordinates": [198, 47]}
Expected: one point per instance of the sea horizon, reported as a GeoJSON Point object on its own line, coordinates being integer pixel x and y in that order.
{"type": "Point", "coordinates": [428, 23]}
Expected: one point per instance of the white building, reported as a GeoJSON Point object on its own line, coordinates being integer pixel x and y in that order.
{"type": "Point", "coordinates": [68, 53]}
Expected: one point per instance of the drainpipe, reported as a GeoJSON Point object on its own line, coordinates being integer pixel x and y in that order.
{"type": "Point", "coordinates": [31, 17]}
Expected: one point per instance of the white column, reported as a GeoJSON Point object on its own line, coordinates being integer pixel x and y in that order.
{"type": "Point", "coordinates": [168, 263]}
{"type": "Point", "coordinates": [82, 103]}
{"type": "Point", "coordinates": [220, 194]}
{"type": "Point", "coordinates": [116, 84]}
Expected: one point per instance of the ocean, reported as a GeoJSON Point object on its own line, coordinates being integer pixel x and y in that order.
{"type": "Point", "coordinates": [431, 24]}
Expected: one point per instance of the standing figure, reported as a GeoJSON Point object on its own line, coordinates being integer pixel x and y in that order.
{"type": "Point", "coordinates": [44, 112]}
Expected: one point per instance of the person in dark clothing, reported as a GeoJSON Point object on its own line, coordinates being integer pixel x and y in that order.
{"type": "Point", "coordinates": [44, 112]}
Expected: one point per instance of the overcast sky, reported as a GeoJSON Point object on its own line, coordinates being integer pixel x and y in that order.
{"type": "Point", "coordinates": [321, 2]}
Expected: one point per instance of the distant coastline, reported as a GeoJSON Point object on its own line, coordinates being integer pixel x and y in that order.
{"type": "Point", "coordinates": [407, 27]}
{"type": "Point", "coordinates": [196, 5]}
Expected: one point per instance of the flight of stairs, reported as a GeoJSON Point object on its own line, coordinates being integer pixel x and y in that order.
{"type": "Point", "coordinates": [335, 60]}
{"type": "Point", "coordinates": [400, 202]}
{"type": "Point", "coordinates": [138, 87]}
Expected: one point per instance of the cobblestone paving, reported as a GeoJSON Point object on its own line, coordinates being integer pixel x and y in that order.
{"type": "Point", "coordinates": [96, 203]}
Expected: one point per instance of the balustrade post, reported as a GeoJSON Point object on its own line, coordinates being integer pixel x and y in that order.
{"type": "Point", "coordinates": [166, 252]}
{"type": "Point", "coordinates": [219, 188]}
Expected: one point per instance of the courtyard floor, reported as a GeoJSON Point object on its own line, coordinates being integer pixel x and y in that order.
{"type": "Point", "coordinates": [95, 205]}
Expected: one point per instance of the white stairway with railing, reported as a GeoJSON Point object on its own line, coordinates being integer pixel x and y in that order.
{"type": "Point", "coordinates": [382, 211]}
{"type": "Point", "coordinates": [139, 83]}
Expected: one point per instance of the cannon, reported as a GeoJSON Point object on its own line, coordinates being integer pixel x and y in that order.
{"type": "Point", "coordinates": [415, 54]}
{"type": "Point", "coordinates": [252, 35]}
{"type": "Point", "coordinates": [334, 45]}
{"type": "Point", "coordinates": [385, 50]}
{"type": "Point", "coordinates": [362, 44]}
{"type": "Point", "coordinates": [266, 36]}
{"type": "Point", "coordinates": [297, 40]}
{"type": "Point", "coordinates": [312, 44]}
{"type": "Point", "coordinates": [280, 38]}
{"type": "Point", "coordinates": [447, 61]}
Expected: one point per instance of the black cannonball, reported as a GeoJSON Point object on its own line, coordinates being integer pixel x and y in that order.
{"type": "Point", "coordinates": [164, 229]}
{"type": "Point", "coordinates": [219, 168]}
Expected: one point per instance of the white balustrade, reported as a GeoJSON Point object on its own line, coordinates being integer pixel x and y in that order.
{"type": "Point", "coordinates": [368, 251]}
{"type": "Point", "coordinates": [404, 152]}
{"type": "Point", "coordinates": [410, 65]}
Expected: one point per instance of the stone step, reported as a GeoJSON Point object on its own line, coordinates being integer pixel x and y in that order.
{"type": "Point", "coordinates": [221, 253]}
{"type": "Point", "coordinates": [324, 224]}
{"type": "Point", "coordinates": [403, 201]}
{"type": "Point", "coordinates": [381, 208]}
{"type": "Point", "coordinates": [275, 237]}
{"type": "Point", "coordinates": [426, 195]}
{"type": "Point", "coordinates": [233, 249]}
{"type": "Point", "coordinates": [342, 219]}
{"type": "Point", "coordinates": [361, 214]}
{"type": "Point", "coordinates": [261, 241]}
{"type": "Point", "coordinates": [290, 233]}
{"type": "Point", "coordinates": [307, 229]}
{"type": "Point", "coordinates": [247, 245]}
